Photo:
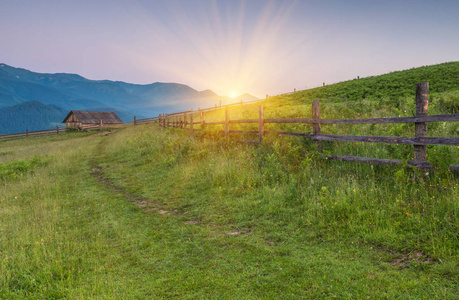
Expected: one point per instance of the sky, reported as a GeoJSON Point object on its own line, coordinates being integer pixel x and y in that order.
{"type": "Point", "coordinates": [232, 47]}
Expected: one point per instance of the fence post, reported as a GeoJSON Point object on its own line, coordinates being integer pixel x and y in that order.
{"type": "Point", "coordinates": [201, 117]}
{"type": "Point", "coordinates": [227, 122]}
{"type": "Point", "coordinates": [316, 126]}
{"type": "Point", "coordinates": [57, 129]}
{"type": "Point", "coordinates": [27, 132]}
{"type": "Point", "coordinates": [184, 121]}
{"type": "Point", "coordinates": [100, 124]}
{"type": "Point", "coordinates": [261, 122]}
{"type": "Point", "coordinates": [420, 128]}
{"type": "Point", "coordinates": [135, 120]}
{"type": "Point", "coordinates": [191, 124]}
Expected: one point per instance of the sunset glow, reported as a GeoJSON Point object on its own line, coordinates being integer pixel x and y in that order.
{"type": "Point", "coordinates": [259, 47]}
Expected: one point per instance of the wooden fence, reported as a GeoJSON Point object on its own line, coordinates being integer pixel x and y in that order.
{"type": "Point", "coordinates": [420, 141]}
{"type": "Point", "coordinates": [27, 133]}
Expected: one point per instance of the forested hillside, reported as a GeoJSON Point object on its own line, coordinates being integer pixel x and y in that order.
{"type": "Point", "coordinates": [31, 115]}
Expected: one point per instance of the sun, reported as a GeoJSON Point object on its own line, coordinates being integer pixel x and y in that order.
{"type": "Point", "coordinates": [233, 94]}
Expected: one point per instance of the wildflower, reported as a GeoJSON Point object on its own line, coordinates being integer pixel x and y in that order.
{"type": "Point", "coordinates": [427, 173]}
{"type": "Point", "coordinates": [422, 215]}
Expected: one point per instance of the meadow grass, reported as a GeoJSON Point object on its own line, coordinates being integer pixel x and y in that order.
{"type": "Point", "coordinates": [154, 213]}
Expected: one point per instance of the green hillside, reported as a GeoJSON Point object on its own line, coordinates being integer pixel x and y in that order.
{"type": "Point", "coordinates": [442, 78]}
{"type": "Point", "coordinates": [151, 213]}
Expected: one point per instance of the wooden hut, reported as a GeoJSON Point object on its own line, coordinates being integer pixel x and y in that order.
{"type": "Point", "coordinates": [81, 119]}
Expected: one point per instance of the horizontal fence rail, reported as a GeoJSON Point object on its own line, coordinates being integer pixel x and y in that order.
{"type": "Point", "coordinates": [27, 133]}
{"type": "Point", "coordinates": [420, 141]}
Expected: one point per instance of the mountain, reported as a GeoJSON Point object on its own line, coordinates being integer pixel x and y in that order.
{"type": "Point", "coordinates": [31, 115]}
{"type": "Point", "coordinates": [74, 92]}
{"type": "Point", "coordinates": [71, 91]}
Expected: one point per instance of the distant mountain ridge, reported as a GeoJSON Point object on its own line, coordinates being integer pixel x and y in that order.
{"type": "Point", "coordinates": [74, 92]}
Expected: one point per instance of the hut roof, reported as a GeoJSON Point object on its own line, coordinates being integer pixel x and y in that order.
{"type": "Point", "coordinates": [94, 117]}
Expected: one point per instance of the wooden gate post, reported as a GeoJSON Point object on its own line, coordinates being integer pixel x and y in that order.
{"type": "Point", "coordinates": [261, 123]}
{"type": "Point", "coordinates": [316, 126]}
{"type": "Point", "coordinates": [100, 124]}
{"type": "Point", "coordinates": [191, 124]}
{"type": "Point", "coordinates": [135, 120]}
{"type": "Point", "coordinates": [227, 122]}
{"type": "Point", "coordinates": [420, 128]}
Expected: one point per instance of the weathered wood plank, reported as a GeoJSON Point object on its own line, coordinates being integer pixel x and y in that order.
{"type": "Point", "coordinates": [242, 132]}
{"type": "Point", "coordinates": [388, 139]}
{"type": "Point", "coordinates": [396, 120]}
{"type": "Point", "coordinates": [390, 162]}
{"type": "Point", "coordinates": [378, 161]}
{"type": "Point", "coordinates": [293, 120]}
{"type": "Point", "coordinates": [308, 135]}
{"type": "Point", "coordinates": [374, 139]}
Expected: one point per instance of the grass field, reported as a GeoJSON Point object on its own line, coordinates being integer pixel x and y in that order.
{"type": "Point", "coordinates": [147, 212]}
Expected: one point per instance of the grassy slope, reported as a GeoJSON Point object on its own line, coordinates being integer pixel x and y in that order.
{"type": "Point", "coordinates": [150, 213]}
{"type": "Point", "coordinates": [211, 219]}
